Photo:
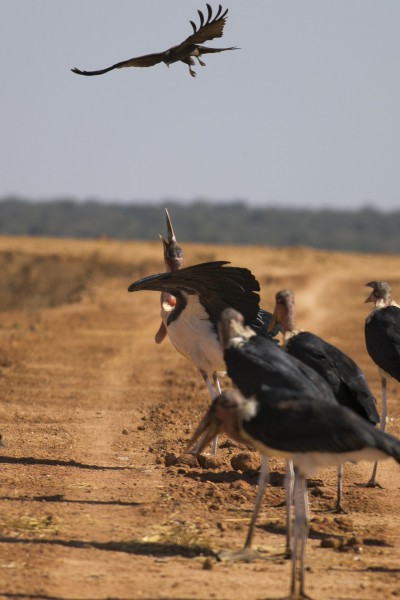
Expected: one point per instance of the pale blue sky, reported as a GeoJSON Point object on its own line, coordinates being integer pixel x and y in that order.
{"type": "Point", "coordinates": [307, 113]}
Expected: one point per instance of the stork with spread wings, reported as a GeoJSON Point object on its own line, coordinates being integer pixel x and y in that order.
{"type": "Point", "coordinates": [209, 29]}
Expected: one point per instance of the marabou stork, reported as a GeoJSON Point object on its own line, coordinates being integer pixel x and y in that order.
{"type": "Point", "coordinates": [186, 51]}
{"type": "Point", "coordinates": [173, 261]}
{"type": "Point", "coordinates": [382, 338]}
{"type": "Point", "coordinates": [298, 427]}
{"type": "Point", "coordinates": [259, 321]}
{"type": "Point", "coordinates": [256, 364]}
{"type": "Point", "coordinates": [201, 293]}
{"type": "Point", "coordinates": [346, 379]}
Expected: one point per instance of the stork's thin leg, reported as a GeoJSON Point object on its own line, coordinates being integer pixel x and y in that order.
{"type": "Point", "coordinates": [384, 405]}
{"type": "Point", "coordinates": [263, 479]}
{"type": "Point", "coordinates": [216, 383]}
{"type": "Point", "coordinates": [217, 392]}
{"type": "Point", "coordinates": [300, 537]}
{"type": "Point", "coordinates": [208, 383]}
{"type": "Point", "coordinates": [213, 394]}
{"type": "Point", "coordinates": [289, 490]}
{"type": "Point", "coordinates": [339, 508]}
{"type": "Point", "coordinates": [295, 543]}
{"type": "Point", "coordinates": [203, 64]}
{"type": "Point", "coordinates": [372, 481]}
{"type": "Point", "coordinates": [305, 530]}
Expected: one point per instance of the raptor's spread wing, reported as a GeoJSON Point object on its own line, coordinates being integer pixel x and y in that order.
{"type": "Point", "coordinates": [148, 60]}
{"type": "Point", "coordinates": [210, 28]}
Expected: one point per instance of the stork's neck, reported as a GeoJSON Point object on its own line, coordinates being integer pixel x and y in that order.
{"type": "Point", "coordinates": [288, 323]}
{"type": "Point", "coordinates": [284, 314]}
{"type": "Point", "coordinates": [239, 339]}
{"type": "Point", "coordinates": [384, 302]}
{"type": "Point", "coordinates": [287, 335]}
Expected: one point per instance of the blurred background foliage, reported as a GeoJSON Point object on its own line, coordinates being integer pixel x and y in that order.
{"type": "Point", "coordinates": [364, 230]}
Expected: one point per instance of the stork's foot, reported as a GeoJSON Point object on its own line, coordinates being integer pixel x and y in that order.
{"type": "Point", "coordinates": [372, 483]}
{"type": "Point", "coordinates": [193, 73]}
{"type": "Point", "coordinates": [281, 504]}
{"type": "Point", "coordinates": [339, 510]}
{"type": "Point", "coordinates": [288, 554]}
{"type": "Point", "coordinates": [299, 596]}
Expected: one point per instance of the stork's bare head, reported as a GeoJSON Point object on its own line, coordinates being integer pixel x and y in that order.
{"type": "Point", "coordinates": [173, 254]}
{"type": "Point", "coordinates": [231, 328]}
{"type": "Point", "coordinates": [284, 297]}
{"type": "Point", "coordinates": [284, 311]}
{"type": "Point", "coordinates": [381, 293]}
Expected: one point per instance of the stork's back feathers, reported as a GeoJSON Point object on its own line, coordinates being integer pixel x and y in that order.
{"type": "Point", "coordinates": [343, 375]}
{"type": "Point", "coordinates": [382, 338]}
{"type": "Point", "coordinates": [293, 422]}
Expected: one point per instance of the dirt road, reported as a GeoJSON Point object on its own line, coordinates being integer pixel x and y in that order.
{"type": "Point", "coordinates": [91, 408]}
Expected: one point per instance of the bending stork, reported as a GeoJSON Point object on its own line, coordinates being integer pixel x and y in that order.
{"type": "Point", "coordinates": [256, 364]}
{"type": "Point", "coordinates": [382, 338]}
{"type": "Point", "coordinates": [311, 434]}
{"type": "Point", "coordinates": [346, 379]}
{"type": "Point", "coordinates": [210, 28]}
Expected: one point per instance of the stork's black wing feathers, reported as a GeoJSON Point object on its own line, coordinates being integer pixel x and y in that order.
{"type": "Point", "coordinates": [283, 414]}
{"type": "Point", "coordinates": [346, 379]}
{"type": "Point", "coordinates": [382, 338]}
{"type": "Point", "coordinates": [259, 363]}
{"type": "Point", "coordinates": [217, 286]}
{"type": "Point", "coordinates": [261, 324]}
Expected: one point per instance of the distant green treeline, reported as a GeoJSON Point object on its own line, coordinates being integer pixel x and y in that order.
{"type": "Point", "coordinates": [364, 230]}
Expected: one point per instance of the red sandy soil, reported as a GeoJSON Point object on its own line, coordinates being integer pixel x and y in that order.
{"type": "Point", "coordinates": [91, 408]}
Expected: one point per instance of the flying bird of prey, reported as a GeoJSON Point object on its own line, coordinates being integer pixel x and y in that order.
{"type": "Point", "coordinates": [209, 29]}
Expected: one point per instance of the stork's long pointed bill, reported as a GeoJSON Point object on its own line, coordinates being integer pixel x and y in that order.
{"type": "Point", "coordinates": [170, 229]}
{"type": "Point", "coordinates": [207, 429]}
{"type": "Point", "coordinates": [371, 298]}
{"type": "Point", "coordinates": [273, 322]}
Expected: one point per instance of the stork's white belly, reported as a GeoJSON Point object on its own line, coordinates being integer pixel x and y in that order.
{"type": "Point", "coordinates": [193, 336]}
